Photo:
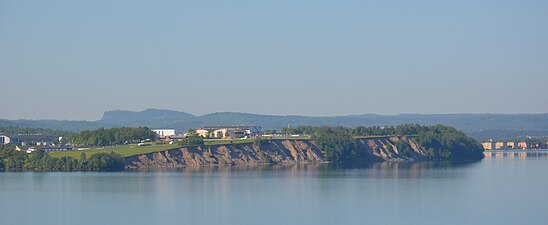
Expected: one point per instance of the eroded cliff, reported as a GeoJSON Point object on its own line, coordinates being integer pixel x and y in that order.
{"type": "Point", "coordinates": [274, 151]}
{"type": "Point", "coordinates": [380, 149]}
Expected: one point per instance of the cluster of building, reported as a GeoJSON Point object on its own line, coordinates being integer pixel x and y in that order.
{"type": "Point", "coordinates": [229, 132]}
{"type": "Point", "coordinates": [211, 132]}
{"type": "Point", "coordinates": [168, 135]}
{"type": "Point", "coordinates": [504, 145]}
{"type": "Point", "coordinates": [32, 142]}
{"type": "Point", "coordinates": [509, 145]}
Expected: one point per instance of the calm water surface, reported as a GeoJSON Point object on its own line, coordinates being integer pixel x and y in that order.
{"type": "Point", "coordinates": [509, 188]}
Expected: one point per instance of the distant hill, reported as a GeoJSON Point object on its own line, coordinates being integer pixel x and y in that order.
{"type": "Point", "coordinates": [60, 125]}
{"type": "Point", "coordinates": [481, 126]}
{"type": "Point", "coordinates": [149, 118]}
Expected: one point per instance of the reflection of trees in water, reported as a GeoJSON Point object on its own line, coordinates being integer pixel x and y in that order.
{"type": "Point", "coordinates": [401, 170]}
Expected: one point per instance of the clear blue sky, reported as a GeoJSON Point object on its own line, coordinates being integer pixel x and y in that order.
{"type": "Point", "coordinates": [75, 59]}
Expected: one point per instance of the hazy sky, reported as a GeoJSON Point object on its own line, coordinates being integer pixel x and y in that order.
{"type": "Point", "coordinates": [76, 59]}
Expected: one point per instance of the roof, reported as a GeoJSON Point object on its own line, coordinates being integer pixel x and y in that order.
{"type": "Point", "coordinates": [243, 127]}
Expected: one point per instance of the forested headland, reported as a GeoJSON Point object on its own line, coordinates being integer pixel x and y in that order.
{"type": "Point", "coordinates": [441, 142]}
{"type": "Point", "coordinates": [338, 145]}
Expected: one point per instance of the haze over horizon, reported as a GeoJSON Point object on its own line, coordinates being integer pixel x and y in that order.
{"type": "Point", "coordinates": [342, 115]}
{"type": "Point", "coordinates": [75, 60]}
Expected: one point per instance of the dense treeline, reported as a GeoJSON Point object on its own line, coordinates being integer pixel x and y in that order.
{"type": "Point", "coordinates": [113, 136]}
{"type": "Point", "coordinates": [447, 143]}
{"type": "Point", "coordinates": [337, 144]}
{"type": "Point", "coordinates": [441, 142]}
{"type": "Point", "coordinates": [14, 130]}
{"type": "Point", "coordinates": [192, 140]}
{"type": "Point", "coordinates": [405, 129]}
{"type": "Point", "coordinates": [11, 160]}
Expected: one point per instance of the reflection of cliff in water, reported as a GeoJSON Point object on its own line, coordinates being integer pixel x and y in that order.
{"type": "Point", "coordinates": [383, 170]}
{"type": "Point", "coordinates": [255, 169]}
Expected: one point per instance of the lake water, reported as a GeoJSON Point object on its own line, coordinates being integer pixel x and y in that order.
{"type": "Point", "coordinates": [510, 188]}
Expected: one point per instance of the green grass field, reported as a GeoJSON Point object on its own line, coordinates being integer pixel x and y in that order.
{"type": "Point", "coordinates": [124, 150]}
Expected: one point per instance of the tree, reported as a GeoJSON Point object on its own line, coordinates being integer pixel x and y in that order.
{"type": "Point", "coordinates": [113, 136]}
{"type": "Point", "coordinates": [337, 144]}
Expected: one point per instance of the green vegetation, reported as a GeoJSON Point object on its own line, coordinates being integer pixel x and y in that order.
{"type": "Point", "coordinates": [192, 140]}
{"type": "Point", "coordinates": [11, 160]}
{"type": "Point", "coordinates": [14, 130]}
{"type": "Point", "coordinates": [441, 142]}
{"type": "Point", "coordinates": [249, 140]}
{"type": "Point", "coordinates": [337, 144]}
{"type": "Point", "coordinates": [447, 143]}
{"type": "Point", "coordinates": [123, 150]}
{"type": "Point", "coordinates": [113, 136]}
{"type": "Point", "coordinates": [404, 148]}
{"type": "Point", "coordinates": [259, 142]}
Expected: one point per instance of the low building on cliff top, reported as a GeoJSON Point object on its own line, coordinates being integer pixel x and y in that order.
{"type": "Point", "coordinates": [4, 139]}
{"type": "Point", "coordinates": [164, 132]}
{"type": "Point", "coordinates": [228, 132]}
{"type": "Point", "coordinates": [33, 139]}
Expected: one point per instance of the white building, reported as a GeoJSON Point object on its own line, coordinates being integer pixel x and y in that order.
{"type": "Point", "coordinates": [220, 133]}
{"type": "Point", "coordinates": [164, 132]}
{"type": "Point", "coordinates": [4, 139]}
{"type": "Point", "coordinates": [203, 133]}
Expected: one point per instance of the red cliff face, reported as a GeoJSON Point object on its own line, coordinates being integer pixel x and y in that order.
{"type": "Point", "coordinates": [273, 151]}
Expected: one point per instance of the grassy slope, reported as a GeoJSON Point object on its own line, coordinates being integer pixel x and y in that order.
{"type": "Point", "coordinates": [133, 149]}
{"type": "Point", "coordinates": [124, 150]}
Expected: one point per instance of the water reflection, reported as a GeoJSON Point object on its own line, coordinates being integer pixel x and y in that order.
{"type": "Point", "coordinates": [515, 154]}
{"type": "Point", "coordinates": [383, 170]}
{"type": "Point", "coordinates": [379, 193]}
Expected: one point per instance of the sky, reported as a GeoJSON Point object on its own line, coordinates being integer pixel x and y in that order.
{"type": "Point", "coordinates": [76, 59]}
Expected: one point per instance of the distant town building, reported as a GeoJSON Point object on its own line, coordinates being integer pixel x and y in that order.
{"type": "Point", "coordinates": [503, 145]}
{"type": "Point", "coordinates": [227, 132]}
{"type": "Point", "coordinates": [164, 132]}
{"type": "Point", "coordinates": [33, 139]}
{"type": "Point", "coordinates": [488, 145]}
{"type": "Point", "coordinates": [31, 149]}
{"type": "Point", "coordinates": [4, 139]}
{"type": "Point", "coordinates": [173, 138]}
{"type": "Point", "coordinates": [511, 145]}
{"type": "Point", "coordinates": [220, 133]}
{"type": "Point", "coordinates": [202, 132]}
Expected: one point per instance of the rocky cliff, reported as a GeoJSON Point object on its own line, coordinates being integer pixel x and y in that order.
{"type": "Point", "coordinates": [381, 149]}
{"type": "Point", "coordinates": [274, 152]}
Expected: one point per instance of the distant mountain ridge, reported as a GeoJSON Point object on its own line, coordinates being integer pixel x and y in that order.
{"type": "Point", "coordinates": [148, 117]}
{"type": "Point", "coordinates": [477, 125]}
